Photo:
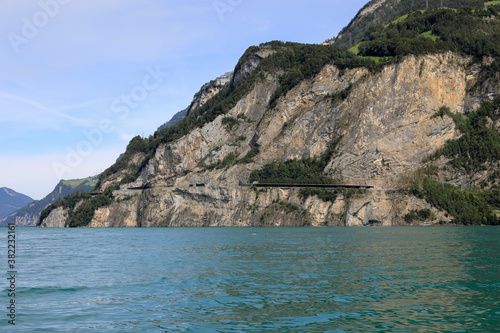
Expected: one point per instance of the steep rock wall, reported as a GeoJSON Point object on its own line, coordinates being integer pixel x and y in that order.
{"type": "Point", "coordinates": [387, 128]}
{"type": "Point", "coordinates": [56, 219]}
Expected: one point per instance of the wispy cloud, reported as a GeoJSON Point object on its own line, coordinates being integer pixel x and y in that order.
{"type": "Point", "coordinates": [41, 107]}
{"type": "Point", "coordinates": [97, 103]}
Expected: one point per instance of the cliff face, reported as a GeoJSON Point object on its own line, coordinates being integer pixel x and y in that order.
{"type": "Point", "coordinates": [57, 219]}
{"type": "Point", "coordinates": [387, 128]}
{"type": "Point", "coordinates": [209, 90]}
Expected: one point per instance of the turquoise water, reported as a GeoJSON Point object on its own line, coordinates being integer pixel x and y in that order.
{"type": "Point", "coordinates": [256, 280]}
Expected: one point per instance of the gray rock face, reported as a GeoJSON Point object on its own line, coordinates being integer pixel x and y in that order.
{"type": "Point", "coordinates": [209, 90]}
{"type": "Point", "coordinates": [387, 128]}
{"type": "Point", "coordinates": [249, 66]}
{"type": "Point", "coordinates": [56, 219]}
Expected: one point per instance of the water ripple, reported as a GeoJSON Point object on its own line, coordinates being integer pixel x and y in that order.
{"type": "Point", "coordinates": [259, 280]}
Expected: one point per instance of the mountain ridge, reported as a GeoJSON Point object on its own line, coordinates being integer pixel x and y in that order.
{"type": "Point", "coordinates": [302, 110]}
{"type": "Point", "coordinates": [27, 215]}
{"type": "Point", "coordinates": [11, 201]}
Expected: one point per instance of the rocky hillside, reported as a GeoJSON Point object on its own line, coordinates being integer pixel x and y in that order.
{"type": "Point", "coordinates": [385, 11]}
{"type": "Point", "coordinates": [10, 201]}
{"type": "Point", "coordinates": [417, 125]}
{"type": "Point", "coordinates": [209, 90]}
{"type": "Point", "coordinates": [28, 215]}
{"type": "Point", "coordinates": [206, 92]}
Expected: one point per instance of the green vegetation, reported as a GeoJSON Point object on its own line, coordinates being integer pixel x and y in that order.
{"type": "Point", "coordinates": [437, 30]}
{"type": "Point", "coordinates": [232, 159]}
{"type": "Point", "coordinates": [355, 49]}
{"type": "Point", "coordinates": [248, 158]}
{"type": "Point", "coordinates": [84, 214]}
{"type": "Point", "coordinates": [467, 207]}
{"type": "Point", "coordinates": [323, 194]}
{"type": "Point", "coordinates": [63, 189]}
{"type": "Point", "coordinates": [271, 212]}
{"type": "Point", "coordinates": [74, 183]}
{"type": "Point", "coordinates": [302, 62]}
{"type": "Point", "coordinates": [297, 171]}
{"type": "Point", "coordinates": [394, 10]}
{"type": "Point", "coordinates": [136, 145]}
{"type": "Point", "coordinates": [421, 215]}
{"type": "Point", "coordinates": [399, 19]}
{"type": "Point", "coordinates": [305, 171]}
{"type": "Point", "coordinates": [478, 146]}
{"type": "Point", "coordinates": [230, 123]}
{"type": "Point", "coordinates": [429, 34]}
{"type": "Point", "coordinates": [288, 207]}
{"type": "Point", "coordinates": [489, 72]}
{"type": "Point", "coordinates": [480, 140]}
{"type": "Point", "coordinates": [459, 119]}
{"type": "Point", "coordinates": [341, 95]}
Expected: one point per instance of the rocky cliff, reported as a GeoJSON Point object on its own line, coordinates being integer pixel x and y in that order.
{"type": "Point", "coordinates": [386, 123]}
{"type": "Point", "coordinates": [209, 90]}
{"type": "Point", "coordinates": [407, 129]}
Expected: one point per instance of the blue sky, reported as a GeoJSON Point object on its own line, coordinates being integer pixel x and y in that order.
{"type": "Point", "coordinates": [80, 78]}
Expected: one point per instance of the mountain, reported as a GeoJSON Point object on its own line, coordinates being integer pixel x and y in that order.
{"type": "Point", "coordinates": [10, 201]}
{"type": "Point", "coordinates": [385, 11]}
{"type": "Point", "coordinates": [175, 119]}
{"type": "Point", "coordinates": [28, 215]}
{"type": "Point", "coordinates": [403, 130]}
{"type": "Point", "coordinates": [207, 91]}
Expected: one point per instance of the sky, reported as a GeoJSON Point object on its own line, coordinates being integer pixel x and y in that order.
{"type": "Point", "coordinates": [80, 78]}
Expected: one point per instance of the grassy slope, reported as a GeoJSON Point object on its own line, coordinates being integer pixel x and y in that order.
{"type": "Point", "coordinates": [73, 183]}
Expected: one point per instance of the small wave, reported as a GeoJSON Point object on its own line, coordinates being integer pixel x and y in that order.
{"type": "Point", "coordinates": [45, 290]}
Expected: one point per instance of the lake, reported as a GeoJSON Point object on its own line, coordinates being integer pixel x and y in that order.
{"type": "Point", "coordinates": [395, 279]}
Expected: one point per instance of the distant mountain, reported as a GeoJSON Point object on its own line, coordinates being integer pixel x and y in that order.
{"type": "Point", "coordinates": [28, 213]}
{"type": "Point", "coordinates": [10, 201]}
{"type": "Point", "coordinates": [175, 119]}
{"type": "Point", "coordinates": [385, 11]}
